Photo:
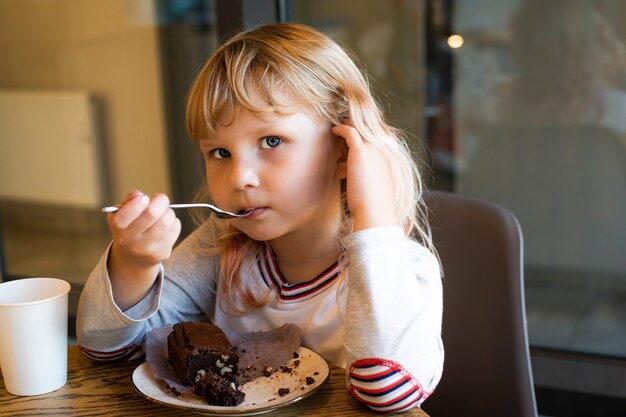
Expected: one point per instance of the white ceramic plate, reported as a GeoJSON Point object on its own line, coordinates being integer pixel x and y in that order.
{"type": "Point", "coordinates": [261, 393]}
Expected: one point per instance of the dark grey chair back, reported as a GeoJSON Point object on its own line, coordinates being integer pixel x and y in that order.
{"type": "Point", "coordinates": [487, 369]}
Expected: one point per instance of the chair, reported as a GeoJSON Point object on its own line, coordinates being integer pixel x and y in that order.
{"type": "Point", "coordinates": [487, 365]}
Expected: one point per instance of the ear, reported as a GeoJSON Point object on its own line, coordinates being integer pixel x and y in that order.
{"type": "Point", "coordinates": [341, 173]}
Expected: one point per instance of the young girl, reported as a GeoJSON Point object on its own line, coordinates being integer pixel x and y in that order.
{"type": "Point", "coordinates": [289, 130]}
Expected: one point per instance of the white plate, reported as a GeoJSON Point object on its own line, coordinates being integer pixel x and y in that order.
{"type": "Point", "coordinates": [261, 393]}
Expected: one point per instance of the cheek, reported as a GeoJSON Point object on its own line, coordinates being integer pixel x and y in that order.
{"type": "Point", "coordinates": [308, 183]}
{"type": "Point", "coordinates": [214, 184]}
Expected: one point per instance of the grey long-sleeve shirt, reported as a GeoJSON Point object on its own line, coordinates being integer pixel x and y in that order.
{"type": "Point", "coordinates": [380, 315]}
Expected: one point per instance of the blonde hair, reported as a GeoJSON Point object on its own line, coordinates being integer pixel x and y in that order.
{"type": "Point", "coordinates": [280, 65]}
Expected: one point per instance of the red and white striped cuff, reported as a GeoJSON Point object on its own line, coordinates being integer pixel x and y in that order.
{"type": "Point", "coordinates": [126, 353]}
{"type": "Point", "coordinates": [384, 385]}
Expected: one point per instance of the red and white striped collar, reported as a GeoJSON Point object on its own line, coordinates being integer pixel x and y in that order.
{"type": "Point", "coordinates": [292, 293]}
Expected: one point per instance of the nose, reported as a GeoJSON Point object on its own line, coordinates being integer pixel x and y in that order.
{"type": "Point", "coordinates": [243, 174]}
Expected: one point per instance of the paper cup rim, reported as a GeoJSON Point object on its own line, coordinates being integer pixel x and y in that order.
{"type": "Point", "coordinates": [64, 283]}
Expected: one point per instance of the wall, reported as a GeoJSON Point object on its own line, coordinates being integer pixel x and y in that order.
{"type": "Point", "coordinates": [109, 49]}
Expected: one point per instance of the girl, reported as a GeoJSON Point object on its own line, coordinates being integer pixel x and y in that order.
{"type": "Point", "coordinates": [289, 130]}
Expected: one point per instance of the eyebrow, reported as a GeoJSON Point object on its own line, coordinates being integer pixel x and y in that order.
{"type": "Point", "coordinates": [206, 142]}
{"type": "Point", "coordinates": [269, 124]}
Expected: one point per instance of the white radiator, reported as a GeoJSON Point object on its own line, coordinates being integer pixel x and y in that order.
{"type": "Point", "coordinates": [49, 148]}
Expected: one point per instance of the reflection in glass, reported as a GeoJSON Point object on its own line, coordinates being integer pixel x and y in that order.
{"type": "Point", "coordinates": [541, 100]}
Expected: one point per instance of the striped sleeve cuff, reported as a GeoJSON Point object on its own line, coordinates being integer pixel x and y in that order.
{"type": "Point", "coordinates": [127, 353]}
{"type": "Point", "coordinates": [384, 385]}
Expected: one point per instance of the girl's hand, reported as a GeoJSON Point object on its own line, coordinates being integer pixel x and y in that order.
{"type": "Point", "coordinates": [144, 230]}
{"type": "Point", "coordinates": [370, 187]}
{"type": "Point", "coordinates": [144, 233]}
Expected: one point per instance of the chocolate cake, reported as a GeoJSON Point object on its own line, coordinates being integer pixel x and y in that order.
{"type": "Point", "coordinates": [217, 390]}
{"type": "Point", "coordinates": [203, 358]}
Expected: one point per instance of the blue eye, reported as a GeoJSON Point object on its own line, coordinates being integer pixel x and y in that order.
{"type": "Point", "coordinates": [220, 153]}
{"type": "Point", "coordinates": [271, 142]}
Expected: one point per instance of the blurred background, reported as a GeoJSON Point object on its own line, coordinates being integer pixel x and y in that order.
{"type": "Point", "coordinates": [522, 102]}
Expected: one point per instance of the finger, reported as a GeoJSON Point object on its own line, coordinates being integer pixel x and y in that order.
{"type": "Point", "coordinates": [131, 195]}
{"type": "Point", "coordinates": [131, 207]}
{"type": "Point", "coordinates": [350, 134]}
{"type": "Point", "coordinates": [159, 250]}
{"type": "Point", "coordinates": [157, 231]}
{"type": "Point", "coordinates": [150, 215]}
{"type": "Point", "coordinates": [170, 238]}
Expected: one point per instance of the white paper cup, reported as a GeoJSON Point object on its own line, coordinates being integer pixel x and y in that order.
{"type": "Point", "coordinates": [33, 335]}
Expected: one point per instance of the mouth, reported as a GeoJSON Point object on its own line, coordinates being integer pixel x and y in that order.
{"type": "Point", "coordinates": [251, 212]}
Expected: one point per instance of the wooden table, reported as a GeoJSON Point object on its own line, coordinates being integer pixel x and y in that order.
{"type": "Point", "coordinates": [98, 389]}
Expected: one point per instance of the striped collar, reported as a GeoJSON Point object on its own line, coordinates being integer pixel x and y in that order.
{"type": "Point", "coordinates": [293, 293]}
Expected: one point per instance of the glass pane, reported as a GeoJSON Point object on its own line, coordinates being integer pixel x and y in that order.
{"type": "Point", "coordinates": [89, 102]}
{"type": "Point", "coordinates": [387, 40]}
{"type": "Point", "coordinates": [540, 98]}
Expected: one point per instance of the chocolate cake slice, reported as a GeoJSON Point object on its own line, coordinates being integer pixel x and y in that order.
{"type": "Point", "coordinates": [202, 357]}
{"type": "Point", "coordinates": [217, 390]}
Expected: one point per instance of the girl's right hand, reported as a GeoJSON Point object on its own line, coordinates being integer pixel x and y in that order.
{"type": "Point", "coordinates": [144, 232]}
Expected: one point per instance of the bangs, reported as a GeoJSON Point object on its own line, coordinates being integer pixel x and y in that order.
{"type": "Point", "coordinates": [256, 87]}
{"type": "Point", "coordinates": [260, 79]}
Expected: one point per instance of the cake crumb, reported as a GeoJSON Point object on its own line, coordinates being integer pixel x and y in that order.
{"type": "Point", "coordinates": [173, 391]}
{"type": "Point", "coordinates": [283, 391]}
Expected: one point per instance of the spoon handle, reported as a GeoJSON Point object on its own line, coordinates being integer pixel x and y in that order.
{"type": "Point", "coordinates": [218, 212]}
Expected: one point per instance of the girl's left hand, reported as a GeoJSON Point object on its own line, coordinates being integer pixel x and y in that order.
{"type": "Point", "coordinates": [370, 187]}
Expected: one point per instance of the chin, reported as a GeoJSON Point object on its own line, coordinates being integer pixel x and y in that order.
{"type": "Point", "coordinates": [260, 235]}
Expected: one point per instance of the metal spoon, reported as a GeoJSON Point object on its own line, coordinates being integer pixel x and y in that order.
{"type": "Point", "coordinates": [219, 213]}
